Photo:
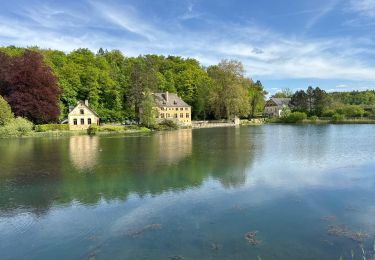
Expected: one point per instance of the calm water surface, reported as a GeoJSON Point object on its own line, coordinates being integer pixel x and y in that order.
{"type": "Point", "coordinates": [191, 194]}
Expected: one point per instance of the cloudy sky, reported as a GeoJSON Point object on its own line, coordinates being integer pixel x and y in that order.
{"type": "Point", "coordinates": [289, 43]}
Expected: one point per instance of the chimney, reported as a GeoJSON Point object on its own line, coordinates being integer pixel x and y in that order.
{"type": "Point", "coordinates": [166, 96]}
{"type": "Point", "coordinates": [86, 102]}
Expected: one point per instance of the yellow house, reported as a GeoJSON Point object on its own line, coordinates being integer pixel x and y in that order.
{"type": "Point", "coordinates": [82, 116]}
{"type": "Point", "coordinates": [169, 106]}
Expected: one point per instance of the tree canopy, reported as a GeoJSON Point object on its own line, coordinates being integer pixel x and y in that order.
{"type": "Point", "coordinates": [115, 84]}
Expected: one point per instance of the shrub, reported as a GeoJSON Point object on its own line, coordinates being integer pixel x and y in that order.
{"type": "Point", "coordinates": [6, 114]}
{"type": "Point", "coordinates": [166, 125]}
{"type": "Point", "coordinates": [294, 117]}
{"type": "Point", "coordinates": [328, 113]}
{"type": "Point", "coordinates": [111, 128]}
{"type": "Point", "coordinates": [92, 130]}
{"type": "Point", "coordinates": [337, 117]}
{"type": "Point", "coordinates": [16, 128]}
{"type": "Point", "coordinates": [52, 127]}
{"type": "Point", "coordinates": [314, 118]}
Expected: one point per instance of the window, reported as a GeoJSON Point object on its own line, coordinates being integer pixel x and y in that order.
{"type": "Point", "coordinates": [81, 111]}
{"type": "Point", "coordinates": [176, 108]}
{"type": "Point", "coordinates": [75, 121]}
{"type": "Point", "coordinates": [181, 115]}
{"type": "Point", "coordinates": [175, 115]}
{"type": "Point", "coordinates": [187, 115]}
{"type": "Point", "coordinates": [82, 121]}
{"type": "Point", "coordinates": [168, 115]}
{"type": "Point", "coordinates": [89, 121]}
{"type": "Point", "coordinates": [181, 108]}
{"type": "Point", "coordinates": [162, 115]}
{"type": "Point", "coordinates": [186, 108]}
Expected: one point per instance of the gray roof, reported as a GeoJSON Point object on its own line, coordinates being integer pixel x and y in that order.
{"type": "Point", "coordinates": [280, 102]}
{"type": "Point", "coordinates": [169, 100]}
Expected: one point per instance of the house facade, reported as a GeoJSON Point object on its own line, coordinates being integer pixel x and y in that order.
{"type": "Point", "coordinates": [82, 116]}
{"type": "Point", "coordinates": [169, 106]}
{"type": "Point", "coordinates": [274, 106]}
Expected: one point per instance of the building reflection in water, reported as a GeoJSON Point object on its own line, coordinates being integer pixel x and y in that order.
{"type": "Point", "coordinates": [174, 146]}
{"type": "Point", "coordinates": [84, 151]}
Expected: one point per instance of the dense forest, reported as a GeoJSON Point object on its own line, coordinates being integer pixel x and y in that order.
{"type": "Point", "coordinates": [41, 84]}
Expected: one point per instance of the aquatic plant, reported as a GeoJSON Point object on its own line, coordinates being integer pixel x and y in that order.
{"type": "Point", "coordinates": [139, 232]}
{"type": "Point", "coordinates": [251, 237]}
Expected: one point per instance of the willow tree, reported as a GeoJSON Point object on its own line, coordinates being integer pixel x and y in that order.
{"type": "Point", "coordinates": [229, 96]}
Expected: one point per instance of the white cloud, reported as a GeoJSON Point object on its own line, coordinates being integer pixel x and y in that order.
{"type": "Point", "coordinates": [342, 86]}
{"type": "Point", "coordinates": [265, 53]}
{"type": "Point", "coordinates": [323, 12]}
{"type": "Point", "coordinates": [363, 7]}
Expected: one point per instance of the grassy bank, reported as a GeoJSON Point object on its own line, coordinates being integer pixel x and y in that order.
{"type": "Point", "coordinates": [324, 121]}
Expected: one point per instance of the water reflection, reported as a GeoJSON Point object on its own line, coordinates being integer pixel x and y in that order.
{"type": "Point", "coordinates": [202, 187]}
{"type": "Point", "coordinates": [83, 151]}
{"type": "Point", "coordinates": [87, 169]}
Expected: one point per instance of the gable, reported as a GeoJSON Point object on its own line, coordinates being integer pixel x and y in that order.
{"type": "Point", "coordinates": [271, 103]}
{"type": "Point", "coordinates": [86, 111]}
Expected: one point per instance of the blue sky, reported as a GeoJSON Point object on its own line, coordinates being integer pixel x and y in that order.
{"type": "Point", "coordinates": [285, 44]}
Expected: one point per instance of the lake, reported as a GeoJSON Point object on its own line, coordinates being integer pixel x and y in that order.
{"type": "Point", "coordinates": [257, 192]}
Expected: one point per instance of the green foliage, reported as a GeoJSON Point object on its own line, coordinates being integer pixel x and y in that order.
{"type": "Point", "coordinates": [148, 110]}
{"type": "Point", "coordinates": [285, 112]}
{"type": "Point", "coordinates": [294, 117]}
{"type": "Point", "coordinates": [166, 125]}
{"type": "Point", "coordinates": [351, 111]}
{"type": "Point", "coordinates": [6, 114]}
{"type": "Point", "coordinates": [51, 127]}
{"type": "Point", "coordinates": [114, 84]}
{"type": "Point", "coordinates": [229, 96]}
{"type": "Point", "coordinates": [314, 118]}
{"type": "Point", "coordinates": [92, 130]}
{"type": "Point", "coordinates": [16, 128]}
{"type": "Point", "coordinates": [338, 117]}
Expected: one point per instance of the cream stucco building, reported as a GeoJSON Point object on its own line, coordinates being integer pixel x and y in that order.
{"type": "Point", "coordinates": [169, 106]}
{"type": "Point", "coordinates": [82, 116]}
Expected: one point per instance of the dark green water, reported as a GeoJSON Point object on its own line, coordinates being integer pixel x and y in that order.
{"type": "Point", "coordinates": [190, 194]}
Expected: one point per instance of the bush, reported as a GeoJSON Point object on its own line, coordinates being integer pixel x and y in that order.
{"type": "Point", "coordinates": [166, 125]}
{"type": "Point", "coordinates": [295, 117]}
{"type": "Point", "coordinates": [6, 114]}
{"type": "Point", "coordinates": [111, 128]}
{"type": "Point", "coordinates": [338, 117]}
{"type": "Point", "coordinates": [314, 118]}
{"type": "Point", "coordinates": [16, 128]}
{"type": "Point", "coordinates": [52, 127]}
{"type": "Point", "coordinates": [92, 130]}
{"type": "Point", "coordinates": [328, 113]}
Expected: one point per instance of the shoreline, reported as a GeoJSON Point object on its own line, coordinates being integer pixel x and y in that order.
{"type": "Point", "coordinates": [206, 125]}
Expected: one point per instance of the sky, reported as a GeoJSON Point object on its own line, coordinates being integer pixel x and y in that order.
{"type": "Point", "coordinates": [284, 44]}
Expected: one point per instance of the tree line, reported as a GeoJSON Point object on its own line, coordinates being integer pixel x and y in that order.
{"type": "Point", "coordinates": [41, 84]}
{"type": "Point", "coordinates": [317, 102]}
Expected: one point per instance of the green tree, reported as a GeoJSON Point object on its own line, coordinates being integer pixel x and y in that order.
{"type": "Point", "coordinates": [229, 97]}
{"type": "Point", "coordinates": [148, 110]}
{"type": "Point", "coordinates": [6, 114]}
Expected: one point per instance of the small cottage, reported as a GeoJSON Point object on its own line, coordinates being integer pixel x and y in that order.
{"type": "Point", "coordinates": [82, 116]}
{"type": "Point", "coordinates": [274, 106]}
{"type": "Point", "coordinates": [171, 107]}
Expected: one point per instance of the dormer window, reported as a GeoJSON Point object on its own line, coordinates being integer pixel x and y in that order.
{"type": "Point", "coordinates": [174, 102]}
{"type": "Point", "coordinates": [82, 111]}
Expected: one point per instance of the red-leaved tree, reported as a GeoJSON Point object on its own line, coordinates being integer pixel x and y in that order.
{"type": "Point", "coordinates": [29, 86]}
